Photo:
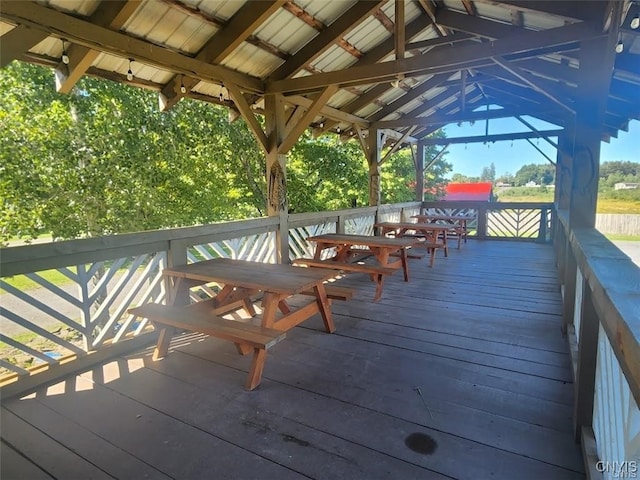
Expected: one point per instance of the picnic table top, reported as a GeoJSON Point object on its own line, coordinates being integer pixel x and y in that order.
{"type": "Point", "coordinates": [276, 278]}
{"type": "Point", "coordinates": [368, 240]}
{"type": "Point", "coordinates": [416, 226]}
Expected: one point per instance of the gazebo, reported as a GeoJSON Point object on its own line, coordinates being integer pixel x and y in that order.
{"type": "Point", "coordinates": [386, 74]}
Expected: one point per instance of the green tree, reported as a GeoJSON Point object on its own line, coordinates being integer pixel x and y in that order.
{"type": "Point", "coordinates": [488, 173]}
{"type": "Point", "coordinates": [541, 174]}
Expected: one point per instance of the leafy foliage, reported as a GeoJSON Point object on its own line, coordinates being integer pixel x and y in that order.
{"type": "Point", "coordinates": [105, 160]}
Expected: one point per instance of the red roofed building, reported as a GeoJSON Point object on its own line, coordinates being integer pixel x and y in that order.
{"type": "Point", "coordinates": [477, 192]}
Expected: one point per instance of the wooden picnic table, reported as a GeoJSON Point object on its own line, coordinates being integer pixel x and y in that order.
{"type": "Point", "coordinates": [459, 221]}
{"type": "Point", "coordinates": [240, 279]}
{"type": "Point", "coordinates": [390, 254]}
{"type": "Point", "coordinates": [431, 232]}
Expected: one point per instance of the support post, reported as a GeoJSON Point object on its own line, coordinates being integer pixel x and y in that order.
{"type": "Point", "coordinates": [276, 173]}
{"type": "Point", "coordinates": [373, 159]}
{"type": "Point", "coordinates": [587, 359]}
{"type": "Point", "coordinates": [420, 172]}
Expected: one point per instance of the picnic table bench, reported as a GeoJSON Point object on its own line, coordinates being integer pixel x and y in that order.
{"type": "Point", "coordinates": [390, 255]}
{"type": "Point", "coordinates": [431, 233]}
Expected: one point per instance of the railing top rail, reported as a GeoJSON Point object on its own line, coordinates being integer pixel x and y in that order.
{"type": "Point", "coordinates": [615, 284]}
{"type": "Point", "coordinates": [486, 205]}
{"type": "Point", "coordinates": [22, 259]}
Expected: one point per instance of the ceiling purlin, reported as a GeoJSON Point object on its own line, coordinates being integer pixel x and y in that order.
{"type": "Point", "coordinates": [442, 60]}
{"type": "Point", "coordinates": [325, 39]}
{"type": "Point", "coordinates": [85, 33]}
{"type": "Point", "coordinates": [219, 46]}
{"type": "Point", "coordinates": [112, 15]}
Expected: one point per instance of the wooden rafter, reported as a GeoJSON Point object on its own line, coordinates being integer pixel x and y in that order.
{"type": "Point", "coordinates": [228, 38]}
{"type": "Point", "coordinates": [566, 9]}
{"type": "Point", "coordinates": [112, 15]}
{"type": "Point", "coordinates": [430, 10]}
{"type": "Point", "coordinates": [120, 44]}
{"type": "Point", "coordinates": [443, 60]}
{"type": "Point", "coordinates": [531, 81]}
{"type": "Point", "coordinates": [17, 41]}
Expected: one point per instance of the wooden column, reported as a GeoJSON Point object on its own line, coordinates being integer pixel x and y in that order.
{"type": "Point", "coordinates": [585, 378]}
{"type": "Point", "coordinates": [420, 172]}
{"type": "Point", "coordinates": [276, 172]}
{"type": "Point", "coordinates": [373, 159]}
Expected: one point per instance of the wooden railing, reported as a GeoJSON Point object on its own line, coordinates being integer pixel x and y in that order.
{"type": "Point", "coordinates": [497, 220]}
{"type": "Point", "coordinates": [601, 288]}
{"type": "Point", "coordinates": [80, 290]}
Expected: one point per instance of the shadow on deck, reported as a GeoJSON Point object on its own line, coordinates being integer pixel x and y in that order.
{"type": "Point", "coordinates": [460, 373]}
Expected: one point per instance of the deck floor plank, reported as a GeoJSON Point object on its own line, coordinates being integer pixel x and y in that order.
{"type": "Point", "coordinates": [480, 340]}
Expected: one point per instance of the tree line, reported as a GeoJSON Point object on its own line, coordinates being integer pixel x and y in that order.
{"type": "Point", "coordinates": [611, 172]}
{"type": "Point", "coordinates": [103, 160]}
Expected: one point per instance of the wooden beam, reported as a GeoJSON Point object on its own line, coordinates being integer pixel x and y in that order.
{"type": "Point", "coordinates": [439, 119]}
{"type": "Point", "coordinates": [327, 37]}
{"type": "Point", "coordinates": [328, 112]}
{"type": "Point", "coordinates": [430, 10]}
{"type": "Point", "coordinates": [442, 60]}
{"type": "Point", "coordinates": [531, 81]}
{"type": "Point", "coordinates": [573, 9]}
{"type": "Point", "coordinates": [306, 119]}
{"type": "Point", "coordinates": [410, 96]}
{"type": "Point", "coordinates": [397, 145]}
{"type": "Point", "coordinates": [245, 110]}
{"type": "Point", "coordinates": [120, 44]}
{"type": "Point", "coordinates": [219, 46]}
{"type": "Point", "coordinates": [527, 124]}
{"type": "Point", "coordinates": [363, 141]}
{"type": "Point", "coordinates": [492, 138]}
{"type": "Point", "coordinates": [18, 41]}
{"type": "Point", "coordinates": [399, 30]}
{"type": "Point", "coordinates": [436, 42]}
{"type": "Point", "coordinates": [463, 23]}
{"type": "Point", "coordinates": [111, 15]}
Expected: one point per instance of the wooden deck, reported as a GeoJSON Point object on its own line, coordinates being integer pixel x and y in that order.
{"type": "Point", "coordinates": [460, 373]}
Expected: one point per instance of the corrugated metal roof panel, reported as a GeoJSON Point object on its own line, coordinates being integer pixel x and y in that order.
{"type": "Point", "coordinates": [325, 11]}
{"type": "Point", "coordinates": [222, 10]}
{"type": "Point", "coordinates": [367, 35]}
{"type": "Point", "coordinates": [5, 27]}
{"type": "Point", "coordinates": [250, 59]}
{"type": "Point", "coordinates": [335, 58]}
{"type": "Point", "coordinates": [286, 32]}
{"type": "Point", "coordinates": [79, 7]}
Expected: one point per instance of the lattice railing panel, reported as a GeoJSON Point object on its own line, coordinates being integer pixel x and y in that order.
{"type": "Point", "coordinates": [359, 225]}
{"type": "Point", "coordinates": [85, 306]}
{"type": "Point", "coordinates": [513, 223]}
{"type": "Point", "coordinates": [472, 225]}
{"type": "Point", "coordinates": [616, 417]}
{"type": "Point", "coordinates": [298, 244]}
{"type": "Point", "coordinates": [256, 248]}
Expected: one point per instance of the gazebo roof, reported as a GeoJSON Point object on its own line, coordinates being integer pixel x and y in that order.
{"type": "Point", "coordinates": [408, 67]}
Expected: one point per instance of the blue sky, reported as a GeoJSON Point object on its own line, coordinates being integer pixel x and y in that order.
{"type": "Point", "coordinates": [510, 156]}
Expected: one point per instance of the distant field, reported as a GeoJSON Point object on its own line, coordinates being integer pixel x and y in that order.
{"type": "Point", "coordinates": [605, 205]}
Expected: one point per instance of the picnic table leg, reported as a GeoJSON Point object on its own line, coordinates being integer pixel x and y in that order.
{"type": "Point", "coordinates": [325, 307]}
{"type": "Point", "coordinates": [257, 366]}
{"type": "Point", "coordinates": [164, 338]}
{"type": "Point", "coordinates": [379, 284]}
{"type": "Point", "coordinates": [405, 263]}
